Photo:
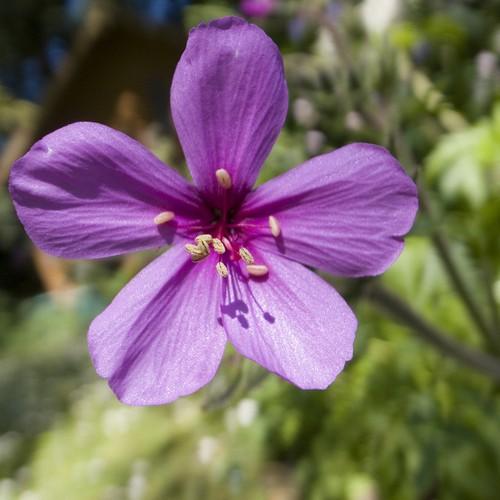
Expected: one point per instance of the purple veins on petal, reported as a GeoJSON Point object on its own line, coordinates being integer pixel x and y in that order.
{"type": "Point", "coordinates": [290, 321]}
{"type": "Point", "coordinates": [88, 191]}
{"type": "Point", "coordinates": [234, 271]}
{"type": "Point", "coordinates": [229, 101]}
{"type": "Point", "coordinates": [344, 212]}
{"type": "Point", "coordinates": [160, 339]}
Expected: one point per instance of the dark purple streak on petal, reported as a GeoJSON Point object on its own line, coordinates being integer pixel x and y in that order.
{"type": "Point", "coordinates": [160, 338]}
{"type": "Point", "coordinates": [291, 322]}
{"type": "Point", "coordinates": [229, 101]}
{"type": "Point", "coordinates": [88, 191]}
{"type": "Point", "coordinates": [344, 212]}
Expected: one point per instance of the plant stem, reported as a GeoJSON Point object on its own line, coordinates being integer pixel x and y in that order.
{"type": "Point", "coordinates": [400, 310]}
{"type": "Point", "coordinates": [443, 249]}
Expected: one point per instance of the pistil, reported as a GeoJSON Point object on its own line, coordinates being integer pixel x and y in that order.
{"type": "Point", "coordinates": [223, 236]}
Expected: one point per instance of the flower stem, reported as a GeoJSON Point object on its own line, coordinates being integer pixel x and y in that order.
{"type": "Point", "coordinates": [400, 310]}
{"type": "Point", "coordinates": [443, 249]}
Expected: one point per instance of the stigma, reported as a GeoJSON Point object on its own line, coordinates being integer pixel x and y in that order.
{"type": "Point", "coordinates": [227, 238]}
{"type": "Point", "coordinates": [205, 243]}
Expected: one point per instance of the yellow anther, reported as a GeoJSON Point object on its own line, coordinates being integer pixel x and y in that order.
{"type": "Point", "coordinates": [204, 241]}
{"type": "Point", "coordinates": [222, 269]}
{"type": "Point", "coordinates": [198, 258]}
{"type": "Point", "coordinates": [203, 237]}
{"type": "Point", "coordinates": [223, 178]}
{"type": "Point", "coordinates": [246, 255]}
{"type": "Point", "coordinates": [257, 269]}
{"type": "Point", "coordinates": [197, 252]}
{"type": "Point", "coordinates": [163, 217]}
{"type": "Point", "coordinates": [192, 248]}
{"type": "Point", "coordinates": [275, 226]}
{"type": "Point", "coordinates": [218, 246]}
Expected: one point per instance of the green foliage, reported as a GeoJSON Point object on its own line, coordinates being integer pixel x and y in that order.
{"type": "Point", "coordinates": [466, 164]}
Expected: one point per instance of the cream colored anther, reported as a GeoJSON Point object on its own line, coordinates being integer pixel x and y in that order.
{"type": "Point", "coordinates": [246, 255]}
{"type": "Point", "coordinates": [163, 217]}
{"type": "Point", "coordinates": [203, 237]}
{"type": "Point", "coordinates": [223, 178]}
{"type": "Point", "coordinates": [204, 240]}
{"type": "Point", "coordinates": [197, 252]}
{"type": "Point", "coordinates": [274, 225]}
{"type": "Point", "coordinates": [218, 246]}
{"type": "Point", "coordinates": [222, 269]}
{"type": "Point", "coordinates": [257, 269]}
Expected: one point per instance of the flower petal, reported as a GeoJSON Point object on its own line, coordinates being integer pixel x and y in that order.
{"type": "Point", "coordinates": [160, 338]}
{"type": "Point", "coordinates": [229, 101]}
{"type": "Point", "coordinates": [258, 8]}
{"type": "Point", "coordinates": [291, 322]}
{"type": "Point", "coordinates": [87, 191]}
{"type": "Point", "coordinates": [344, 212]}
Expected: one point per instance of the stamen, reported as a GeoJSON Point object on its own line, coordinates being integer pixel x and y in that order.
{"type": "Point", "coordinates": [218, 246]}
{"type": "Point", "coordinates": [197, 252]}
{"type": "Point", "coordinates": [192, 248]}
{"type": "Point", "coordinates": [198, 258]}
{"type": "Point", "coordinates": [246, 255]}
{"type": "Point", "coordinates": [275, 226]}
{"type": "Point", "coordinates": [222, 269]}
{"type": "Point", "coordinates": [204, 241]}
{"type": "Point", "coordinates": [163, 217]}
{"type": "Point", "coordinates": [223, 178]}
{"type": "Point", "coordinates": [227, 244]}
{"type": "Point", "coordinates": [257, 269]}
{"type": "Point", "coordinates": [203, 237]}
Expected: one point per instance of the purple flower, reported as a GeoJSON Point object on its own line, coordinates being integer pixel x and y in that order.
{"type": "Point", "coordinates": [235, 269]}
{"type": "Point", "coordinates": [258, 8]}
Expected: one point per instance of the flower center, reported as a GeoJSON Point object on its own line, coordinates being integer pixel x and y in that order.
{"type": "Point", "coordinates": [224, 237]}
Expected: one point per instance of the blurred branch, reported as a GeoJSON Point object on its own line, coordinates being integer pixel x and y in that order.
{"type": "Point", "coordinates": [422, 87]}
{"type": "Point", "coordinates": [443, 248]}
{"type": "Point", "coordinates": [488, 273]}
{"type": "Point", "coordinates": [239, 385]}
{"type": "Point", "coordinates": [444, 251]}
{"type": "Point", "coordinates": [221, 398]}
{"type": "Point", "coordinates": [375, 119]}
{"type": "Point", "coordinates": [401, 311]}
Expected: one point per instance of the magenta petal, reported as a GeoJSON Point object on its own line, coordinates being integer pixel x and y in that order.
{"type": "Point", "coordinates": [229, 101]}
{"type": "Point", "coordinates": [160, 338]}
{"type": "Point", "coordinates": [87, 191]}
{"type": "Point", "coordinates": [292, 323]}
{"type": "Point", "coordinates": [258, 8]}
{"type": "Point", "coordinates": [344, 212]}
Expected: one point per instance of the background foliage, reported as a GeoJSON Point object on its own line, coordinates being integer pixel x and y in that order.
{"type": "Point", "coordinates": [416, 414]}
